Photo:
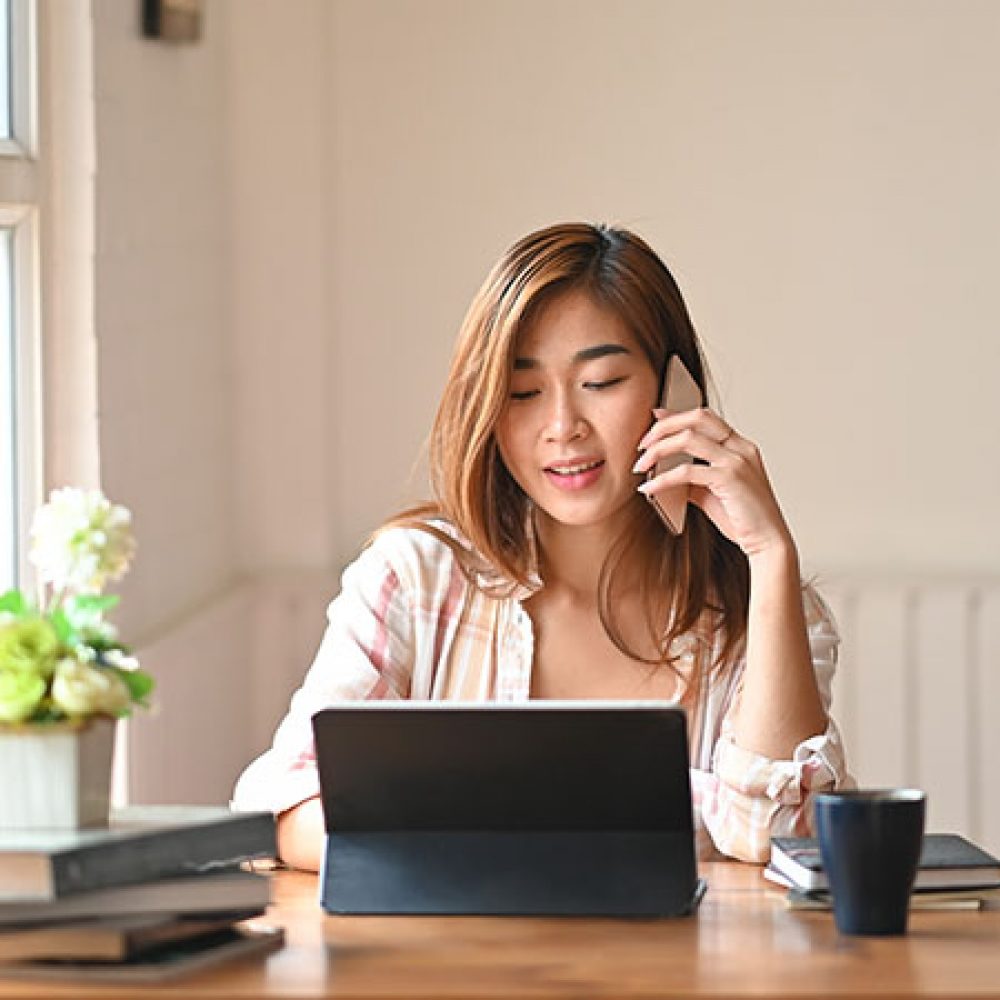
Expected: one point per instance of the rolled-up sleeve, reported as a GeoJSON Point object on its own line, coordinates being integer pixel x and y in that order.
{"type": "Point", "coordinates": [747, 798]}
{"type": "Point", "coordinates": [365, 653]}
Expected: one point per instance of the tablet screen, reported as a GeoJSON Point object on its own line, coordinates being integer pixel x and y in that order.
{"type": "Point", "coordinates": [537, 766]}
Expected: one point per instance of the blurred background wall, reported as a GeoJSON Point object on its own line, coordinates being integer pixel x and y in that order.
{"type": "Point", "coordinates": [293, 214]}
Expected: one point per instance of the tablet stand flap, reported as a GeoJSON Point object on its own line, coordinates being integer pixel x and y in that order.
{"type": "Point", "coordinates": [523, 872]}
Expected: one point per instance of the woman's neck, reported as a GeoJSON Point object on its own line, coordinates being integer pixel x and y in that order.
{"type": "Point", "coordinates": [570, 558]}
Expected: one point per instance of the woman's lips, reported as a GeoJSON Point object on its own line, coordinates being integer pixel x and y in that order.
{"type": "Point", "coordinates": [575, 476]}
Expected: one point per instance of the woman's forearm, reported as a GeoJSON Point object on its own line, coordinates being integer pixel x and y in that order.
{"type": "Point", "coordinates": [301, 835]}
{"type": "Point", "coordinates": [780, 704]}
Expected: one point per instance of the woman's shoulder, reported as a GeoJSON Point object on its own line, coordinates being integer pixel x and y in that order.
{"type": "Point", "coordinates": [432, 536]}
{"type": "Point", "coordinates": [421, 550]}
{"type": "Point", "coordinates": [432, 552]}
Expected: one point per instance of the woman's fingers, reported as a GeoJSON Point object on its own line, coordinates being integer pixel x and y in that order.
{"type": "Point", "coordinates": [687, 474]}
{"type": "Point", "coordinates": [703, 421]}
{"type": "Point", "coordinates": [690, 441]}
{"type": "Point", "coordinates": [729, 483]}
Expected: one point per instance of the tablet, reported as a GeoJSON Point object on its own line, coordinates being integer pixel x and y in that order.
{"type": "Point", "coordinates": [536, 808]}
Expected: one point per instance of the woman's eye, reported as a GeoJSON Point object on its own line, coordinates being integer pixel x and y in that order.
{"type": "Point", "coordinates": [605, 384]}
{"type": "Point", "coordinates": [524, 394]}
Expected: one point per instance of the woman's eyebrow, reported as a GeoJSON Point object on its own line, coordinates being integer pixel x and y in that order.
{"type": "Point", "coordinates": [600, 351]}
{"type": "Point", "coordinates": [587, 354]}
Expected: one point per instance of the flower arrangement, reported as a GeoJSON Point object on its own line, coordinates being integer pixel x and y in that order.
{"type": "Point", "coordinates": [60, 660]}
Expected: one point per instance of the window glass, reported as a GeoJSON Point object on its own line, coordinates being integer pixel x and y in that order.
{"type": "Point", "coordinates": [5, 74]}
{"type": "Point", "coordinates": [8, 410]}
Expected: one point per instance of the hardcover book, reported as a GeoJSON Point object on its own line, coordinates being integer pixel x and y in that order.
{"type": "Point", "coordinates": [172, 961]}
{"type": "Point", "coordinates": [223, 891]}
{"type": "Point", "coordinates": [142, 843]}
{"type": "Point", "coordinates": [109, 939]}
{"type": "Point", "coordinates": [947, 861]}
{"type": "Point", "coordinates": [960, 899]}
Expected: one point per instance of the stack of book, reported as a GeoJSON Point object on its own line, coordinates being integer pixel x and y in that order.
{"type": "Point", "coordinates": [953, 874]}
{"type": "Point", "coordinates": [160, 892]}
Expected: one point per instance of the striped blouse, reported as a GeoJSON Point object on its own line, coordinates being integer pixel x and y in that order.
{"type": "Point", "coordinates": [408, 623]}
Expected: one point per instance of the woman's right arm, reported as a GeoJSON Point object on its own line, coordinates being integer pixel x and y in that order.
{"type": "Point", "coordinates": [366, 653]}
{"type": "Point", "coordinates": [301, 834]}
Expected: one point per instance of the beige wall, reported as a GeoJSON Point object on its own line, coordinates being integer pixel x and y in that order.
{"type": "Point", "coordinates": [166, 369]}
{"type": "Point", "coordinates": [282, 338]}
{"type": "Point", "coordinates": [821, 177]}
{"type": "Point", "coordinates": [293, 215]}
{"type": "Point", "coordinates": [167, 376]}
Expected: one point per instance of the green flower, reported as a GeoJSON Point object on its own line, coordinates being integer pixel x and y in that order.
{"type": "Point", "coordinates": [20, 694]}
{"type": "Point", "coordinates": [29, 646]}
{"type": "Point", "coordinates": [63, 658]}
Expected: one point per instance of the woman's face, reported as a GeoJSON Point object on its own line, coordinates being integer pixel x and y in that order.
{"type": "Point", "coordinates": [581, 397]}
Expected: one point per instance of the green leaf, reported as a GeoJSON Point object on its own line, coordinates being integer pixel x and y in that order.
{"type": "Point", "coordinates": [81, 613]}
{"type": "Point", "coordinates": [101, 644]}
{"type": "Point", "coordinates": [96, 602]}
{"type": "Point", "coordinates": [14, 603]}
{"type": "Point", "coordinates": [64, 627]}
{"type": "Point", "coordinates": [47, 714]}
{"type": "Point", "coordinates": [138, 682]}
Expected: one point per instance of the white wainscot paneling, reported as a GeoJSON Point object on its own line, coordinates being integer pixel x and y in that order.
{"type": "Point", "coordinates": [916, 691]}
{"type": "Point", "coordinates": [986, 677]}
{"type": "Point", "coordinates": [915, 695]}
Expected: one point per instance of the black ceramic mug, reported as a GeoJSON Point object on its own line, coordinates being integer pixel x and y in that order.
{"type": "Point", "coordinates": [870, 843]}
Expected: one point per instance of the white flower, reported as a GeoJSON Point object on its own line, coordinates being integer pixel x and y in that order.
{"type": "Point", "coordinates": [80, 689]}
{"type": "Point", "coordinates": [116, 658]}
{"type": "Point", "coordinates": [85, 653]}
{"type": "Point", "coordinates": [79, 540]}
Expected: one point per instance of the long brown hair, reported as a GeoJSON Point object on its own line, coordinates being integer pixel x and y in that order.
{"type": "Point", "coordinates": [697, 583]}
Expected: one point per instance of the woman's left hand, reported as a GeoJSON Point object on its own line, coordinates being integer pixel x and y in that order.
{"type": "Point", "coordinates": [732, 488]}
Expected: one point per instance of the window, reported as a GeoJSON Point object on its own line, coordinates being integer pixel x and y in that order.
{"type": "Point", "coordinates": [20, 463]}
{"type": "Point", "coordinates": [8, 417]}
{"type": "Point", "coordinates": [5, 46]}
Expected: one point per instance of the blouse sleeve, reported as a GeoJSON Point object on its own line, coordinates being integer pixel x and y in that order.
{"type": "Point", "coordinates": [747, 798]}
{"type": "Point", "coordinates": [365, 653]}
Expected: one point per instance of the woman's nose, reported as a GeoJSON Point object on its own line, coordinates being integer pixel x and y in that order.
{"type": "Point", "coordinates": [564, 421]}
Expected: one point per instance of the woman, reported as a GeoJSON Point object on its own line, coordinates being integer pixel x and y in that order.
{"type": "Point", "coordinates": [541, 571]}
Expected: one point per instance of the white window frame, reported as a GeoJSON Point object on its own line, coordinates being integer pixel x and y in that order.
{"type": "Point", "coordinates": [22, 220]}
{"type": "Point", "coordinates": [20, 189]}
{"type": "Point", "coordinates": [24, 79]}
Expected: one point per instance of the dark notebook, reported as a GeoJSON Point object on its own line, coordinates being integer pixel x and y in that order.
{"type": "Point", "coordinates": [544, 808]}
{"type": "Point", "coordinates": [947, 861]}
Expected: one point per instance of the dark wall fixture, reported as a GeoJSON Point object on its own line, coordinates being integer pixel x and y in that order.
{"type": "Point", "coordinates": [172, 20]}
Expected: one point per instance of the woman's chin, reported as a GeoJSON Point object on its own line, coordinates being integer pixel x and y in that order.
{"type": "Point", "coordinates": [582, 512]}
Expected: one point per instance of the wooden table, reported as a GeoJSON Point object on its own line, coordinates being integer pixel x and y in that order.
{"type": "Point", "coordinates": [743, 942]}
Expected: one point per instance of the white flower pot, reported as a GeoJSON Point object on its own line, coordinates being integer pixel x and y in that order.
{"type": "Point", "coordinates": [56, 777]}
